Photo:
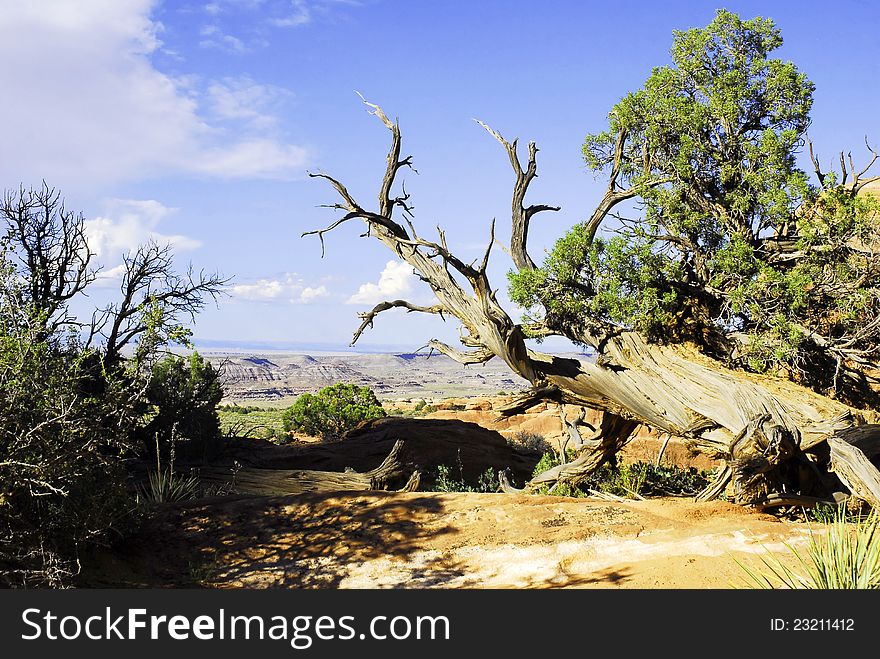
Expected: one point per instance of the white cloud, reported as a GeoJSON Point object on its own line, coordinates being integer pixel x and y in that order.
{"type": "Point", "coordinates": [129, 223]}
{"type": "Point", "coordinates": [289, 286]}
{"type": "Point", "coordinates": [126, 225]}
{"type": "Point", "coordinates": [109, 277]}
{"type": "Point", "coordinates": [309, 293]}
{"type": "Point", "coordinates": [278, 13]}
{"type": "Point", "coordinates": [397, 280]}
{"type": "Point", "coordinates": [300, 14]}
{"type": "Point", "coordinates": [246, 101]}
{"type": "Point", "coordinates": [214, 37]}
{"type": "Point", "coordinates": [84, 103]}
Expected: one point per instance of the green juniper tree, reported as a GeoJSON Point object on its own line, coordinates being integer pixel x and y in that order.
{"type": "Point", "coordinates": [333, 410]}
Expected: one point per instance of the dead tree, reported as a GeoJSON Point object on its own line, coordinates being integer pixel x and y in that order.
{"type": "Point", "coordinates": [774, 434]}
{"type": "Point", "coordinates": [154, 300]}
{"type": "Point", "coordinates": [49, 243]}
{"type": "Point", "coordinates": [392, 472]}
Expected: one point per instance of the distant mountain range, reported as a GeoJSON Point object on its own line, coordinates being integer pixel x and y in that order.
{"type": "Point", "coordinates": [277, 377]}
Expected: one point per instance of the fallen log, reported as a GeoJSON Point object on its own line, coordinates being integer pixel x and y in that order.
{"type": "Point", "coordinates": [295, 481]}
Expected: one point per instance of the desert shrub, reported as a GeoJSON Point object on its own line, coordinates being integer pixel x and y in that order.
{"type": "Point", "coordinates": [333, 410]}
{"type": "Point", "coordinates": [529, 441]}
{"type": "Point", "coordinates": [184, 394]}
{"type": "Point", "coordinates": [446, 482]}
{"type": "Point", "coordinates": [63, 430]}
{"type": "Point", "coordinates": [73, 394]}
{"type": "Point", "coordinates": [826, 513]}
{"type": "Point", "coordinates": [841, 555]}
{"type": "Point", "coordinates": [671, 479]}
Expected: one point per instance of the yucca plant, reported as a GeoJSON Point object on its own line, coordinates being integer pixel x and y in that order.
{"type": "Point", "coordinates": [845, 555]}
{"type": "Point", "coordinates": [164, 485]}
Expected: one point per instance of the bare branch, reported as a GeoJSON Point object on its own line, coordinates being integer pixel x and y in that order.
{"type": "Point", "coordinates": [858, 181]}
{"type": "Point", "coordinates": [614, 194]}
{"type": "Point", "coordinates": [520, 214]}
{"type": "Point", "coordinates": [150, 283]}
{"type": "Point", "coordinates": [50, 244]}
{"type": "Point", "coordinates": [369, 316]}
{"type": "Point", "coordinates": [480, 356]}
{"type": "Point", "coordinates": [816, 166]}
{"type": "Point", "coordinates": [320, 232]}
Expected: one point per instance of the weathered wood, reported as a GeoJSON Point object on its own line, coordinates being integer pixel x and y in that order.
{"type": "Point", "coordinates": [613, 433]}
{"type": "Point", "coordinates": [855, 471]}
{"type": "Point", "coordinates": [789, 500]}
{"type": "Point", "coordinates": [412, 485]}
{"type": "Point", "coordinates": [716, 487]}
{"type": "Point", "coordinates": [296, 481]}
{"type": "Point", "coordinates": [866, 438]}
{"type": "Point", "coordinates": [505, 484]}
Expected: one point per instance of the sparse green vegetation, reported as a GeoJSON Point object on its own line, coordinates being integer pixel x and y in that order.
{"type": "Point", "coordinates": [252, 422]}
{"type": "Point", "coordinates": [628, 480]}
{"type": "Point", "coordinates": [446, 482]}
{"type": "Point", "coordinates": [165, 485]}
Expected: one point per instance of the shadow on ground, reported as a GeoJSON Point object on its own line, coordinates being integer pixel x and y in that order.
{"type": "Point", "coordinates": [300, 541]}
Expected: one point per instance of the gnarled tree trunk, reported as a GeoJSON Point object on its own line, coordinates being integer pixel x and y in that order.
{"type": "Point", "coordinates": [773, 434]}
{"type": "Point", "coordinates": [392, 472]}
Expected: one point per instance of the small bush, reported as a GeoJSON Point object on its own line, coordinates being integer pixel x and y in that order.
{"type": "Point", "coordinates": [333, 410]}
{"type": "Point", "coordinates": [529, 441]}
{"type": "Point", "coordinates": [184, 394]}
{"type": "Point", "coordinates": [446, 482]}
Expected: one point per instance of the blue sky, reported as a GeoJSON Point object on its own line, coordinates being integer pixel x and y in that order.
{"type": "Point", "coordinates": [195, 123]}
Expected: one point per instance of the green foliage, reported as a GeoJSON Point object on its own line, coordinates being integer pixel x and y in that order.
{"type": "Point", "coordinates": [841, 555]}
{"type": "Point", "coordinates": [724, 236]}
{"type": "Point", "coordinates": [184, 393]}
{"type": "Point", "coordinates": [333, 410]}
{"type": "Point", "coordinates": [73, 409]}
{"type": "Point", "coordinates": [64, 428]}
{"type": "Point", "coordinates": [826, 513]}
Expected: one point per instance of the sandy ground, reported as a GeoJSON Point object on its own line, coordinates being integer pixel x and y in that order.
{"type": "Point", "coordinates": [458, 540]}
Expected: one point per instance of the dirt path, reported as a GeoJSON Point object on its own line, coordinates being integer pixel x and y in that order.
{"type": "Point", "coordinates": [420, 540]}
